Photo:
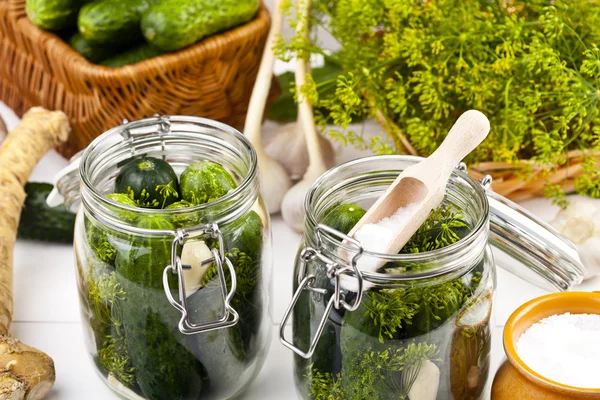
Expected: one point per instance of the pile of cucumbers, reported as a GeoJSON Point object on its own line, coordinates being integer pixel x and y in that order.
{"type": "Point", "coordinates": [122, 32]}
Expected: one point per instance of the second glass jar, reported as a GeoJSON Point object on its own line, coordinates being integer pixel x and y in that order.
{"type": "Point", "coordinates": [421, 329]}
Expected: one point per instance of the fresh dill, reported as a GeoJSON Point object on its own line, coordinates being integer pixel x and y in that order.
{"type": "Point", "coordinates": [533, 67]}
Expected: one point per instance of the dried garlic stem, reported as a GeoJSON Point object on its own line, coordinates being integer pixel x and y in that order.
{"type": "Point", "coordinates": [274, 180]}
{"type": "Point", "coordinates": [292, 207]}
{"type": "Point", "coordinates": [395, 132]}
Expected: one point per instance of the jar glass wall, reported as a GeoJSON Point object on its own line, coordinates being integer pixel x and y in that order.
{"type": "Point", "coordinates": [422, 327]}
{"type": "Point", "coordinates": [213, 260]}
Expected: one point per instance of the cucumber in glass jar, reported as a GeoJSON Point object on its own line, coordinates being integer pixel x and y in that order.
{"type": "Point", "coordinates": [149, 181]}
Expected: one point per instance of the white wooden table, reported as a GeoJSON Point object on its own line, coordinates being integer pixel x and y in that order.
{"type": "Point", "coordinates": [46, 311]}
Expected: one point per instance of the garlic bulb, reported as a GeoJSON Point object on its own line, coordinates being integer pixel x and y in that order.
{"type": "Point", "coordinates": [580, 223]}
{"type": "Point", "coordinates": [274, 180]}
{"type": "Point", "coordinates": [287, 145]}
{"type": "Point", "coordinates": [292, 207]}
{"type": "Point", "coordinates": [121, 389]}
{"type": "Point", "coordinates": [194, 252]}
{"type": "Point", "coordinates": [425, 386]}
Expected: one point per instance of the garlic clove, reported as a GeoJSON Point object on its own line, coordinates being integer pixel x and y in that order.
{"type": "Point", "coordinates": [590, 256]}
{"type": "Point", "coordinates": [194, 252]}
{"type": "Point", "coordinates": [287, 145]}
{"type": "Point", "coordinates": [425, 387]}
{"type": "Point", "coordinates": [292, 206]}
{"type": "Point", "coordinates": [274, 183]}
{"type": "Point", "coordinates": [3, 129]}
{"type": "Point", "coordinates": [580, 223]}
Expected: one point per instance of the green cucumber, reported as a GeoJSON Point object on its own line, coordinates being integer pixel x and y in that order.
{"type": "Point", "coordinates": [327, 356]}
{"type": "Point", "coordinates": [343, 217]}
{"type": "Point", "coordinates": [437, 304]}
{"type": "Point", "coordinates": [112, 21]}
{"type": "Point", "coordinates": [359, 337]}
{"type": "Point", "coordinates": [103, 242]}
{"type": "Point", "coordinates": [132, 56]}
{"type": "Point", "coordinates": [178, 205]}
{"type": "Point", "coordinates": [184, 219]}
{"type": "Point", "coordinates": [104, 294]}
{"type": "Point", "coordinates": [150, 181]}
{"type": "Point", "coordinates": [175, 24]}
{"type": "Point", "coordinates": [243, 241]}
{"type": "Point", "coordinates": [41, 222]}
{"type": "Point", "coordinates": [205, 181]}
{"type": "Point", "coordinates": [164, 367]}
{"type": "Point", "coordinates": [53, 15]}
{"type": "Point", "coordinates": [122, 198]}
{"type": "Point", "coordinates": [93, 52]}
{"type": "Point", "coordinates": [221, 351]}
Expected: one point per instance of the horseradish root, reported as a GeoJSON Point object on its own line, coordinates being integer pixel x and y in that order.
{"type": "Point", "coordinates": [25, 372]}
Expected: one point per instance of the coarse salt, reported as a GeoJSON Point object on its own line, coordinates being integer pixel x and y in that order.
{"type": "Point", "coordinates": [376, 238]}
{"type": "Point", "coordinates": [564, 348]}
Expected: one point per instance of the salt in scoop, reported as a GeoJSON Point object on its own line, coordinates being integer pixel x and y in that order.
{"type": "Point", "coordinates": [395, 217]}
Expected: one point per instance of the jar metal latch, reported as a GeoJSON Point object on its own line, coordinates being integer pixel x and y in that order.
{"type": "Point", "coordinates": [230, 316]}
{"type": "Point", "coordinates": [335, 270]}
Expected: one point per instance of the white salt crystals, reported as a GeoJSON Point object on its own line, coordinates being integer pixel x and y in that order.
{"type": "Point", "coordinates": [564, 348]}
{"type": "Point", "coordinates": [377, 237]}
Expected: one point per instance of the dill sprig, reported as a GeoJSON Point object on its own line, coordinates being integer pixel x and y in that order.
{"type": "Point", "coordinates": [399, 368]}
{"type": "Point", "coordinates": [105, 295]}
{"type": "Point", "coordinates": [533, 67]}
{"type": "Point", "coordinates": [439, 230]}
{"type": "Point", "coordinates": [246, 275]}
{"type": "Point", "coordinates": [322, 385]}
{"type": "Point", "coordinates": [144, 198]}
{"type": "Point", "coordinates": [414, 310]}
{"type": "Point", "coordinates": [167, 191]}
{"type": "Point", "coordinates": [391, 310]}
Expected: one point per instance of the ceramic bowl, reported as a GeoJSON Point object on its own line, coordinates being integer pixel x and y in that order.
{"type": "Point", "coordinates": [515, 380]}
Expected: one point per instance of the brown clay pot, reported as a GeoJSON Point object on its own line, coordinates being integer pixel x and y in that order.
{"type": "Point", "coordinates": [515, 380]}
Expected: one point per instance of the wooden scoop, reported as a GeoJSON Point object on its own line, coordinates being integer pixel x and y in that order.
{"type": "Point", "coordinates": [424, 184]}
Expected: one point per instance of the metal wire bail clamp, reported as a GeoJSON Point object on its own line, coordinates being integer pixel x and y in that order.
{"type": "Point", "coordinates": [230, 316]}
{"type": "Point", "coordinates": [335, 269]}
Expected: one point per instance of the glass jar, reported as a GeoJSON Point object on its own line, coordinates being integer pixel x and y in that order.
{"type": "Point", "coordinates": [420, 328]}
{"type": "Point", "coordinates": [173, 302]}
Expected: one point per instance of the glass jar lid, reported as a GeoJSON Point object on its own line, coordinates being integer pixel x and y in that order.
{"type": "Point", "coordinates": [538, 252]}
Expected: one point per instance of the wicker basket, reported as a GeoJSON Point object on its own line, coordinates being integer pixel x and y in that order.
{"type": "Point", "coordinates": [508, 178]}
{"type": "Point", "coordinates": [212, 78]}
{"type": "Point", "coordinates": [517, 181]}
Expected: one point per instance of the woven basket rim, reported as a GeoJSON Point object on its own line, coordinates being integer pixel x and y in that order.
{"type": "Point", "coordinates": [205, 48]}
